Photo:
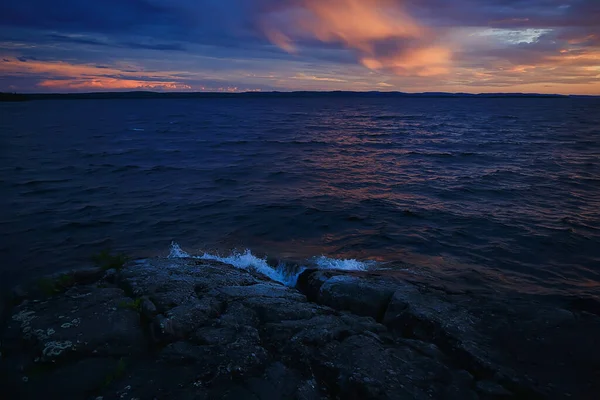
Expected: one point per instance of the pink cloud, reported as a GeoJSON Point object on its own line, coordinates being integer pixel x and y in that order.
{"type": "Point", "coordinates": [380, 32]}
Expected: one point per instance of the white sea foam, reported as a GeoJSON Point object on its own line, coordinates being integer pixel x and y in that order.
{"type": "Point", "coordinates": [282, 273]}
{"type": "Point", "coordinates": [177, 252]}
{"type": "Point", "coordinates": [246, 260]}
{"type": "Point", "coordinates": [323, 262]}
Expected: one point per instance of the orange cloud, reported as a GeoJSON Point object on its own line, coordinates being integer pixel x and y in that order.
{"type": "Point", "coordinates": [108, 84]}
{"type": "Point", "coordinates": [279, 39]}
{"type": "Point", "coordinates": [381, 33]}
{"type": "Point", "coordinates": [63, 75]}
{"type": "Point", "coordinates": [303, 76]}
{"type": "Point", "coordinates": [429, 61]}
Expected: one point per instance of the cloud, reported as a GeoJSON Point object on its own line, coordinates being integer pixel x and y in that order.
{"type": "Point", "coordinates": [130, 44]}
{"type": "Point", "coordinates": [411, 45]}
{"type": "Point", "coordinates": [380, 32]}
{"type": "Point", "coordinates": [302, 76]}
{"type": "Point", "coordinates": [103, 83]}
{"type": "Point", "coordinates": [67, 76]}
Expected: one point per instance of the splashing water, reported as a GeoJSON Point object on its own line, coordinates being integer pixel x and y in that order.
{"type": "Point", "coordinates": [177, 252]}
{"type": "Point", "coordinates": [282, 273]}
{"type": "Point", "coordinates": [247, 260]}
{"type": "Point", "coordinates": [323, 262]}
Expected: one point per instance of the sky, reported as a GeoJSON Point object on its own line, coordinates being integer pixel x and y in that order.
{"type": "Point", "coordinates": [475, 46]}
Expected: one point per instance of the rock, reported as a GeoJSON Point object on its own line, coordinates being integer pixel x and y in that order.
{"type": "Point", "coordinates": [110, 275]}
{"type": "Point", "coordinates": [498, 339]}
{"type": "Point", "coordinates": [270, 290]}
{"type": "Point", "coordinates": [309, 390]}
{"type": "Point", "coordinates": [495, 338]}
{"type": "Point", "coordinates": [298, 342]}
{"type": "Point", "coordinates": [4, 309]}
{"type": "Point", "coordinates": [237, 315]}
{"type": "Point", "coordinates": [280, 382]}
{"type": "Point", "coordinates": [18, 293]}
{"type": "Point", "coordinates": [427, 349]}
{"type": "Point", "coordinates": [320, 329]}
{"type": "Point", "coordinates": [84, 321]}
{"type": "Point", "coordinates": [86, 276]}
{"type": "Point", "coordinates": [169, 283]}
{"type": "Point", "coordinates": [269, 309]}
{"type": "Point", "coordinates": [183, 353]}
{"type": "Point", "coordinates": [368, 297]}
{"type": "Point", "coordinates": [492, 390]}
{"type": "Point", "coordinates": [309, 282]}
{"type": "Point", "coordinates": [156, 379]}
{"type": "Point", "coordinates": [183, 320]}
{"type": "Point", "coordinates": [72, 381]}
{"type": "Point", "coordinates": [163, 282]}
{"type": "Point", "coordinates": [361, 367]}
{"type": "Point", "coordinates": [225, 360]}
{"type": "Point", "coordinates": [147, 308]}
{"type": "Point", "coordinates": [217, 335]}
{"type": "Point", "coordinates": [218, 332]}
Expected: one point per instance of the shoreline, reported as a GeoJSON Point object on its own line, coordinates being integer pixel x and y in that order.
{"type": "Point", "coordinates": [168, 328]}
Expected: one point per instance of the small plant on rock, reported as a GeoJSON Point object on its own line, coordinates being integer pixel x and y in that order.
{"type": "Point", "coordinates": [106, 260]}
{"type": "Point", "coordinates": [51, 286]}
{"type": "Point", "coordinates": [134, 305]}
{"type": "Point", "coordinates": [118, 373]}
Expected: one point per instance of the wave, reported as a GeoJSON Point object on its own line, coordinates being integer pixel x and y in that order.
{"type": "Point", "coordinates": [35, 182]}
{"type": "Point", "coordinates": [225, 181]}
{"type": "Point", "coordinates": [397, 117]}
{"type": "Point", "coordinates": [323, 262]}
{"type": "Point", "coordinates": [282, 273]}
{"type": "Point", "coordinates": [177, 252]}
{"type": "Point", "coordinates": [430, 153]}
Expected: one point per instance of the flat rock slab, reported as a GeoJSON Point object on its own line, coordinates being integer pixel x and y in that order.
{"type": "Point", "coordinates": [190, 329]}
{"type": "Point", "coordinates": [513, 345]}
{"type": "Point", "coordinates": [85, 320]}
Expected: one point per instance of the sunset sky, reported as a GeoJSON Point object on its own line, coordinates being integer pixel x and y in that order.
{"type": "Point", "coordinates": [544, 46]}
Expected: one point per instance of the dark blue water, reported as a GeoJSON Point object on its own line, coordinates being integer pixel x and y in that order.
{"type": "Point", "coordinates": [493, 192]}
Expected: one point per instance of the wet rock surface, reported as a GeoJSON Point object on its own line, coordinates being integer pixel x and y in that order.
{"type": "Point", "coordinates": [189, 329]}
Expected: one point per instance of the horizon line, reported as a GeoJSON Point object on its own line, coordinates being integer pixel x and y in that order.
{"type": "Point", "coordinates": [291, 92]}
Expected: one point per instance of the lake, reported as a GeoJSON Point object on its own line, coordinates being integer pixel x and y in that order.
{"type": "Point", "coordinates": [482, 192]}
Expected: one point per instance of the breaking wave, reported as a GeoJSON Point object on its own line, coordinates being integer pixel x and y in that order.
{"type": "Point", "coordinates": [323, 262]}
{"type": "Point", "coordinates": [283, 272]}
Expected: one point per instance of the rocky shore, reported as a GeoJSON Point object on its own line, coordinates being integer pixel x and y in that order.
{"type": "Point", "coordinates": [190, 329]}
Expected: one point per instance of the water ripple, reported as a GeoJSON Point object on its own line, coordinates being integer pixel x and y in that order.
{"type": "Point", "coordinates": [493, 192]}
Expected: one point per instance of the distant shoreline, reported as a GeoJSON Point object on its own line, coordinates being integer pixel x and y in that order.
{"type": "Point", "coordinates": [298, 94]}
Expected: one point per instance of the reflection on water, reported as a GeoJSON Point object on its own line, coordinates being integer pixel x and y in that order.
{"type": "Point", "coordinates": [487, 192]}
